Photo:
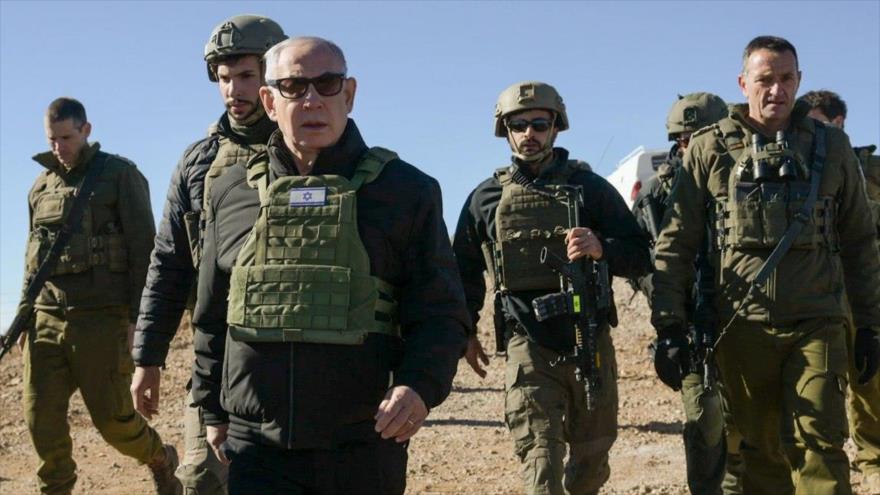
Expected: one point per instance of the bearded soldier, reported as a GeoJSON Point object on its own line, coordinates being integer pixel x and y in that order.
{"type": "Point", "coordinates": [794, 237]}
{"type": "Point", "coordinates": [545, 206]}
{"type": "Point", "coordinates": [864, 399]}
{"type": "Point", "coordinates": [704, 427]}
{"type": "Point", "coordinates": [234, 60]}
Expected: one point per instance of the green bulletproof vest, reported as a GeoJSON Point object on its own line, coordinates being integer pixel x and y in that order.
{"type": "Point", "coordinates": [303, 274]}
{"type": "Point", "coordinates": [97, 242]}
{"type": "Point", "coordinates": [526, 221]}
{"type": "Point", "coordinates": [756, 215]}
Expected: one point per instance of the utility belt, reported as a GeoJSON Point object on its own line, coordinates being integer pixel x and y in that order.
{"type": "Point", "coordinates": [758, 215]}
{"type": "Point", "coordinates": [81, 253]}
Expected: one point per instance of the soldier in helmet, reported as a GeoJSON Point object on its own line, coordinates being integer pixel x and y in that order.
{"type": "Point", "coordinates": [864, 399]}
{"type": "Point", "coordinates": [794, 239]}
{"type": "Point", "coordinates": [85, 312]}
{"type": "Point", "coordinates": [233, 56]}
{"type": "Point", "coordinates": [703, 431]}
{"type": "Point", "coordinates": [531, 205]}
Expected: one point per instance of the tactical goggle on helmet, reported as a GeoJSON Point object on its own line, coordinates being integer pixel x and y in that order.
{"type": "Point", "coordinates": [694, 111]}
{"type": "Point", "coordinates": [245, 34]}
{"type": "Point", "coordinates": [529, 95]}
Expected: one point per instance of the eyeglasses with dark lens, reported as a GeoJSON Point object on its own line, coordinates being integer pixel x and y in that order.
{"type": "Point", "coordinates": [520, 125]}
{"type": "Point", "coordinates": [327, 84]}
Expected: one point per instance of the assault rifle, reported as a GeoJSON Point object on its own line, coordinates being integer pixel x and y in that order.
{"type": "Point", "coordinates": [705, 321]}
{"type": "Point", "coordinates": [586, 295]}
{"type": "Point", "coordinates": [37, 278]}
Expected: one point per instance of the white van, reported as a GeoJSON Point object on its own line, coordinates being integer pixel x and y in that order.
{"type": "Point", "coordinates": [633, 170]}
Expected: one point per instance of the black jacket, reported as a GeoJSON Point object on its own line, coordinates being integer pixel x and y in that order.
{"type": "Point", "coordinates": [300, 396]}
{"type": "Point", "coordinates": [172, 276]}
{"type": "Point", "coordinates": [623, 245]}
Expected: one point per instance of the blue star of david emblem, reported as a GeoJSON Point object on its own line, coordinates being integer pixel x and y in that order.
{"type": "Point", "coordinates": [307, 196]}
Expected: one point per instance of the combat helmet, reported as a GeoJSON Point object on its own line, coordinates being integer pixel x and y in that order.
{"type": "Point", "coordinates": [529, 95]}
{"type": "Point", "coordinates": [245, 34]}
{"type": "Point", "coordinates": [694, 111]}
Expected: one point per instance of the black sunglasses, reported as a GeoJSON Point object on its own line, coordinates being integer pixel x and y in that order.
{"type": "Point", "coordinates": [520, 125]}
{"type": "Point", "coordinates": [327, 84]}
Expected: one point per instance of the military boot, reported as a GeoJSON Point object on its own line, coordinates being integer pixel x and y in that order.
{"type": "Point", "coordinates": [163, 473]}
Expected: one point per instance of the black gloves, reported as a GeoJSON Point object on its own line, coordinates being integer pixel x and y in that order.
{"type": "Point", "coordinates": [671, 356]}
{"type": "Point", "coordinates": [866, 354]}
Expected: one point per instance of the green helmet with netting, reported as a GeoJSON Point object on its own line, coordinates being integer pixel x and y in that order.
{"type": "Point", "coordinates": [245, 34]}
{"type": "Point", "coordinates": [694, 111]}
{"type": "Point", "coordinates": [529, 95]}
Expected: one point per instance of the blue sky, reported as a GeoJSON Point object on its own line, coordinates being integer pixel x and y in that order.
{"type": "Point", "coordinates": [428, 75]}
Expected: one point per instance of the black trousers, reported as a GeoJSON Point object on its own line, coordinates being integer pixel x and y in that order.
{"type": "Point", "coordinates": [372, 468]}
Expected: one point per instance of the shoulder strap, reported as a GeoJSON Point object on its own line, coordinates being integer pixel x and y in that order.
{"type": "Point", "coordinates": [732, 136]}
{"type": "Point", "coordinates": [371, 165]}
{"type": "Point", "coordinates": [803, 216]}
{"type": "Point", "coordinates": [258, 175]}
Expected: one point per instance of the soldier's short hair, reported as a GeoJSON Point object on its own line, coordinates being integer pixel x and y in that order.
{"type": "Point", "coordinates": [273, 54]}
{"type": "Point", "coordinates": [230, 60]}
{"type": "Point", "coordinates": [66, 108]}
{"type": "Point", "coordinates": [828, 102]}
{"type": "Point", "coordinates": [772, 43]}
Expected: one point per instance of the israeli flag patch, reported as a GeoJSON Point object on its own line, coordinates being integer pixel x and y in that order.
{"type": "Point", "coordinates": [308, 196]}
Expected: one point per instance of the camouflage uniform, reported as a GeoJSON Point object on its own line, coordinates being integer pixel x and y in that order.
{"type": "Point", "coordinates": [80, 338]}
{"type": "Point", "coordinates": [783, 360]}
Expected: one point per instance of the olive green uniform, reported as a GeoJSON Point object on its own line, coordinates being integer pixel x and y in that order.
{"type": "Point", "coordinates": [864, 400]}
{"type": "Point", "coordinates": [703, 435]}
{"type": "Point", "coordinates": [783, 360]}
{"type": "Point", "coordinates": [80, 336]}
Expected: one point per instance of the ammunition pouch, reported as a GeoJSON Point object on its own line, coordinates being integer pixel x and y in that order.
{"type": "Point", "coordinates": [757, 216]}
{"type": "Point", "coordinates": [85, 249]}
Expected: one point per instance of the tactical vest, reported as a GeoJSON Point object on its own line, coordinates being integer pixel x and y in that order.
{"type": "Point", "coordinates": [528, 219]}
{"type": "Point", "coordinates": [89, 246]}
{"type": "Point", "coordinates": [303, 274]}
{"type": "Point", "coordinates": [229, 153]}
{"type": "Point", "coordinates": [756, 215]}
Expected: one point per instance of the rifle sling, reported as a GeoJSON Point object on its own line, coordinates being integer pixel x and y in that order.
{"type": "Point", "coordinates": [74, 216]}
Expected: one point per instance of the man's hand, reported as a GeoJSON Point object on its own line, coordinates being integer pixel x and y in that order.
{"type": "Point", "coordinates": [21, 339]}
{"type": "Point", "coordinates": [474, 354]}
{"type": "Point", "coordinates": [145, 390]}
{"type": "Point", "coordinates": [866, 354]}
{"type": "Point", "coordinates": [671, 357]}
{"type": "Point", "coordinates": [581, 242]}
{"type": "Point", "coordinates": [401, 414]}
{"type": "Point", "coordinates": [216, 435]}
{"type": "Point", "coordinates": [131, 329]}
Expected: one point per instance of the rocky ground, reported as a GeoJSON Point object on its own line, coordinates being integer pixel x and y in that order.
{"type": "Point", "coordinates": [463, 449]}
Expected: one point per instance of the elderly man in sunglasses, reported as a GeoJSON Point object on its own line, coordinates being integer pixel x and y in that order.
{"type": "Point", "coordinates": [544, 202]}
{"type": "Point", "coordinates": [326, 267]}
